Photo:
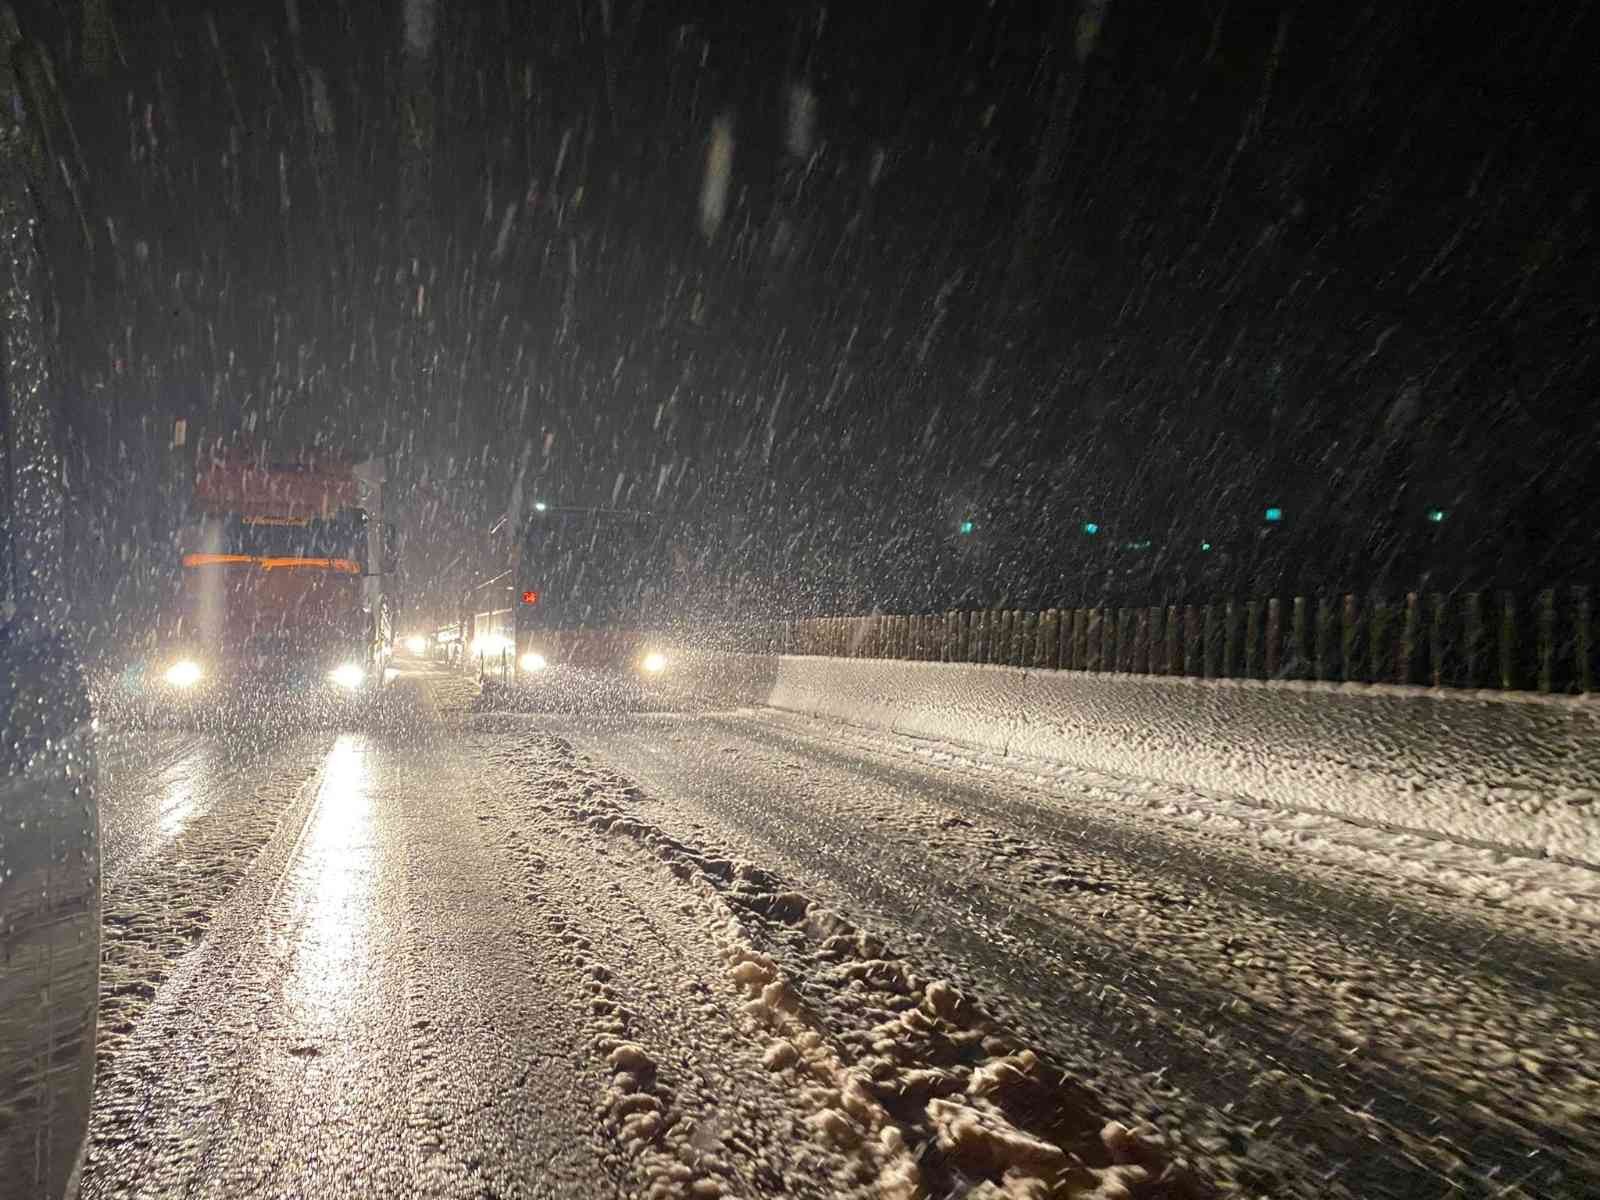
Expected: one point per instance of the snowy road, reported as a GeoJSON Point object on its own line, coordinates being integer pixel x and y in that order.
{"type": "Point", "coordinates": [505, 955]}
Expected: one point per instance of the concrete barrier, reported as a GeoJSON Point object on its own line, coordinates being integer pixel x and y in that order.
{"type": "Point", "coordinates": [1515, 771]}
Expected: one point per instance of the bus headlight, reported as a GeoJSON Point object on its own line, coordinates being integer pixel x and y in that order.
{"type": "Point", "coordinates": [653, 663]}
{"type": "Point", "coordinates": [349, 676]}
{"type": "Point", "coordinates": [184, 673]}
{"type": "Point", "coordinates": [533, 661]}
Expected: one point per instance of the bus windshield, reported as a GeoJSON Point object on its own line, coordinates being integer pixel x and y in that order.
{"type": "Point", "coordinates": [592, 568]}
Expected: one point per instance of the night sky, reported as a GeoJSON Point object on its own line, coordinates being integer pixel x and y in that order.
{"type": "Point", "coordinates": [1337, 259]}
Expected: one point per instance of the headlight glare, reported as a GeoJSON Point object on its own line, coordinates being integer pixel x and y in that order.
{"type": "Point", "coordinates": [416, 644]}
{"type": "Point", "coordinates": [533, 661]}
{"type": "Point", "coordinates": [348, 676]}
{"type": "Point", "coordinates": [184, 673]}
{"type": "Point", "coordinates": [654, 663]}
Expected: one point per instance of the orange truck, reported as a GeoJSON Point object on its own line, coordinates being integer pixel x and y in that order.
{"type": "Point", "coordinates": [288, 582]}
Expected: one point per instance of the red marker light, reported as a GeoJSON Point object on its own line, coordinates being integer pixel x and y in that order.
{"type": "Point", "coordinates": [530, 597]}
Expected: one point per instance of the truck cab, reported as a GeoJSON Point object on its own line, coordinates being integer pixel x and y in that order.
{"type": "Point", "coordinates": [288, 582]}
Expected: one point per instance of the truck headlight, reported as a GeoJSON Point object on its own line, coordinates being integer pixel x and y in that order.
{"type": "Point", "coordinates": [184, 673]}
{"type": "Point", "coordinates": [348, 676]}
{"type": "Point", "coordinates": [653, 663]}
{"type": "Point", "coordinates": [533, 661]}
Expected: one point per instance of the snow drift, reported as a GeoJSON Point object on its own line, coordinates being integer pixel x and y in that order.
{"type": "Point", "coordinates": [1515, 772]}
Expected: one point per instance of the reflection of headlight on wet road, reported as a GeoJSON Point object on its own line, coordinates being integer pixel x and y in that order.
{"type": "Point", "coordinates": [184, 673]}
{"type": "Point", "coordinates": [416, 644]}
{"type": "Point", "coordinates": [654, 663]}
{"type": "Point", "coordinates": [348, 676]}
{"type": "Point", "coordinates": [533, 661]}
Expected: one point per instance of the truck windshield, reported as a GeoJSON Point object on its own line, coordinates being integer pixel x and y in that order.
{"type": "Point", "coordinates": [342, 536]}
{"type": "Point", "coordinates": [592, 568]}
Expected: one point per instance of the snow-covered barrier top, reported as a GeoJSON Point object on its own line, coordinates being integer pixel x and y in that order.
{"type": "Point", "coordinates": [1510, 770]}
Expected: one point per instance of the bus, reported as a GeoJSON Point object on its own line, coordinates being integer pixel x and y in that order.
{"type": "Point", "coordinates": [593, 596]}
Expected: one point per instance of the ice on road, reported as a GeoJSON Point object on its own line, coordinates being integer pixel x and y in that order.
{"type": "Point", "coordinates": [451, 954]}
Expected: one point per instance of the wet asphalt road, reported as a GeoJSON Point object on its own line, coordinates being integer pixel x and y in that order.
{"type": "Point", "coordinates": [421, 958]}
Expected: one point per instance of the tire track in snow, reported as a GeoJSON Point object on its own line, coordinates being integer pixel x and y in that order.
{"type": "Point", "coordinates": [1295, 1093]}
{"type": "Point", "coordinates": [907, 1084]}
{"type": "Point", "coordinates": [158, 907]}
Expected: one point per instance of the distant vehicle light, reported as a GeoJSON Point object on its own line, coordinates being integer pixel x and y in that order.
{"type": "Point", "coordinates": [654, 663]}
{"type": "Point", "coordinates": [416, 645]}
{"type": "Point", "coordinates": [1274, 514]}
{"type": "Point", "coordinates": [184, 673]}
{"type": "Point", "coordinates": [533, 661]}
{"type": "Point", "coordinates": [349, 676]}
{"type": "Point", "coordinates": [539, 506]}
{"type": "Point", "coordinates": [1091, 528]}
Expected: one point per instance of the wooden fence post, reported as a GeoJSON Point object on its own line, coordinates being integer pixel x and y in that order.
{"type": "Point", "coordinates": [1272, 652]}
{"type": "Point", "coordinates": [1232, 647]}
{"type": "Point", "coordinates": [1408, 668]}
{"type": "Point", "coordinates": [1216, 644]}
{"type": "Point", "coordinates": [1030, 639]}
{"type": "Point", "coordinates": [1301, 664]}
{"type": "Point", "coordinates": [1252, 639]}
{"type": "Point", "coordinates": [1174, 647]}
{"type": "Point", "coordinates": [1381, 661]}
{"type": "Point", "coordinates": [1050, 639]}
{"type": "Point", "coordinates": [1546, 643]}
{"type": "Point", "coordinates": [1158, 640]}
{"type": "Point", "coordinates": [1473, 640]}
{"type": "Point", "coordinates": [1586, 671]}
{"type": "Point", "coordinates": [1440, 627]}
{"type": "Point", "coordinates": [1508, 673]}
{"type": "Point", "coordinates": [1193, 641]}
{"type": "Point", "coordinates": [1141, 642]}
{"type": "Point", "coordinates": [1092, 641]}
{"type": "Point", "coordinates": [1352, 654]}
{"type": "Point", "coordinates": [1327, 638]}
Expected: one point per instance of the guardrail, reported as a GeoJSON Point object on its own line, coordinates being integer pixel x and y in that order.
{"type": "Point", "coordinates": [1543, 642]}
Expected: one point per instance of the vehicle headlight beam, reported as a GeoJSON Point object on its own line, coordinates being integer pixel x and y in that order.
{"type": "Point", "coordinates": [184, 673]}
{"type": "Point", "coordinates": [349, 676]}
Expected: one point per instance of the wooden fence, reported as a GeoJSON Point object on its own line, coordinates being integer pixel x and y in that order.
{"type": "Point", "coordinates": [1542, 642]}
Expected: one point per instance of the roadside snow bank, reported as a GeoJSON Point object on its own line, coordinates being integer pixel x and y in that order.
{"type": "Point", "coordinates": [1515, 773]}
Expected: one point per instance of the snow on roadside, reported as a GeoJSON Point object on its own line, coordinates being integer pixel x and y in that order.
{"type": "Point", "coordinates": [1491, 879]}
{"type": "Point", "coordinates": [909, 1080]}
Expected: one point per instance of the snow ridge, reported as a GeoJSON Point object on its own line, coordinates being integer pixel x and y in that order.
{"type": "Point", "coordinates": [908, 1079]}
